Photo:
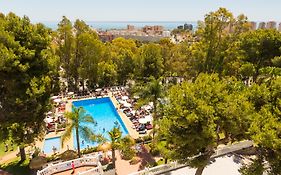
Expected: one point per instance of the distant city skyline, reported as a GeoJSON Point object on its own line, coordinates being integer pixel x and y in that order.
{"type": "Point", "coordinates": [141, 10]}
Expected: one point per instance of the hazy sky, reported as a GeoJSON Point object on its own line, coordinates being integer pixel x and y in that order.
{"type": "Point", "coordinates": [139, 10]}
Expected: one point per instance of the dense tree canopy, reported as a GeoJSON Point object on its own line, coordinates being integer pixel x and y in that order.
{"type": "Point", "coordinates": [25, 78]}
{"type": "Point", "coordinates": [231, 90]}
{"type": "Point", "coordinates": [198, 113]}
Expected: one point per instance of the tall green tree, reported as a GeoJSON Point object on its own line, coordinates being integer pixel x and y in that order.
{"type": "Point", "coordinates": [198, 113]}
{"type": "Point", "coordinates": [65, 42]}
{"type": "Point", "coordinates": [261, 49]}
{"type": "Point", "coordinates": [217, 48]}
{"type": "Point", "coordinates": [149, 62]}
{"type": "Point", "coordinates": [265, 128]}
{"type": "Point", "coordinates": [123, 52]}
{"type": "Point", "coordinates": [25, 79]}
{"type": "Point", "coordinates": [77, 122]}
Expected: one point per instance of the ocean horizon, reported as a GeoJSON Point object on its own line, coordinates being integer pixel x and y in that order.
{"type": "Point", "coordinates": [107, 25]}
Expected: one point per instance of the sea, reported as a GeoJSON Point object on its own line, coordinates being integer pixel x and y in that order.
{"type": "Point", "coordinates": [108, 25]}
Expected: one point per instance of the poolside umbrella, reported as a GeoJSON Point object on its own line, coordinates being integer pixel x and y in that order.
{"type": "Point", "coordinates": [142, 120]}
{"type": "Point", "coordinates": [48, 120]}
{"type": "Point", "coordinates": [127, 105]}
{"type": "Point", "coordinates": [99, 89]}
{"type": "Point", "coordinates": [70, 93]}
{"type": "Point", "coordinates": [69, 155]}
{"type": "Point", "coordinates": [125, 98]}
{"type": "Point", "coordinates": [37, 162]}
{"type": "Point", "coordinates": [122, 102]}
{"type": "Point", "coordinates": [58, 100]}
{"type": "Point", "coordinates": [54, 97]}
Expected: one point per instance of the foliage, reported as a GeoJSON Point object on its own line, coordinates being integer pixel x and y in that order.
{"type": "Point", "coordinates": [115, 137]}
{"type": "Point", "coordinates": [134, 160]}
{"type": "Point", "coordinates": [126, 147]}
{"type": "Point", "coordinates": [149, 62]}
{"type": "Point", "coordinates": [17, 167]}
{"type": "Point", "coordinates": [77, 120]}
{"type": "Point", "coordinates": [25, 78]}
{"type": "Point", "coordinates": [197, 112]}
{"type": "Point", "coordinates": [89, 150]}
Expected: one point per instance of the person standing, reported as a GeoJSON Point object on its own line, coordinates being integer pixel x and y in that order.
{"type": "Point", "coordinates": [73, 167]}
{"type": "Point", "coordinates": [12, 145]}
{"type": "Point", "coordinates": [6, 147]}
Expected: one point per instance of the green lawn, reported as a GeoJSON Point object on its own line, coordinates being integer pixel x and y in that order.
{"type": "Point", "coordinates": [2, 148]}
{"type": "Point", "coordinates": [16, 167]}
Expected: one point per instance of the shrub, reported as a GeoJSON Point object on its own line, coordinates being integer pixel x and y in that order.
{"type": "Point", "coordinates": [128, 153]}
{"type": "Point", "coordinates": [134, 160]}
{"type": "Point", "coordinates": [154, 151]}
{"type": "Point", "coordinates": [53, 157]}
{"type": "Point", "coordinates": [139, 140]}
{"type": "Point", "coordinates": [105, 161]}
{"type": "Point", "coordinates": [147, 138]}
{"type": "Point", "coordinates": [89, 150]}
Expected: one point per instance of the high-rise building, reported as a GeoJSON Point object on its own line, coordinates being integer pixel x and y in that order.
{"type": "Point", "coordinates": [271, 25]}
{"type": "Point", "coordinates": [158, 29]}
{"type": "Point", "coordinates": [153, 29]}
{"type": "Point", "coordinates": [261, 25]}
{"type": "Point", "coordinates": [253, 25]}
{"type": "Point", "coordinates": [130, 27]}
{"type": "Point", "coordinates": [166, 34]}
{"type": "Point", "coordinates": [180, 27]}
{"type": "Point", "coordinates": [187, 27]}
{"type": "Point", "coordinates": [279, 27]}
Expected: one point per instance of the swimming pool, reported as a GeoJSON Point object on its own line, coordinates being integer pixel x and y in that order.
{"type": "Point", "coordinates": [104, 113]}
{"type": "Point", "coordinates": [50, 143]}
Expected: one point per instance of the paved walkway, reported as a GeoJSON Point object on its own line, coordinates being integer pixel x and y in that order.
{"type": "Point", "coordinates": [77, 170]}
{"type": "Point", "coordinates": [222, 166]}
{"type": "Point", "coordinates": [123, 167]}
{"type": "Point", "coordinates": [9, 156]}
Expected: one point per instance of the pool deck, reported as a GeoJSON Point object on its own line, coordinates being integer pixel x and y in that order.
{"type": "Point", "coordinates": [132, 132]}
{"type": "Point", "coordinates": [127, 122]}
{"type": "Point", "coordinates": [68, 142]}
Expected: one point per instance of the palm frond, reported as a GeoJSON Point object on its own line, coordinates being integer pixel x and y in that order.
{"type": "Point", "coordinates": [98, 138]}
{"type": "Point", "coordinates": [85, 132]}
{"type": "Point", "coordinates": [67, 133]}
{"type": "Point", "coordinates": [87, 119]}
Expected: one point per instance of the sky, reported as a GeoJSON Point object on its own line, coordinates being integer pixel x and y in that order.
{"type": "Point", "coordinates": [139, 10]}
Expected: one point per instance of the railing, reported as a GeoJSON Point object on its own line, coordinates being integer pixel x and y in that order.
{"type": "Point", "coordinates": [96, 171]}
{"type": "Point", "coordinates": [158, 169]}
{"type": "Point", "coordinates": [55, 168]}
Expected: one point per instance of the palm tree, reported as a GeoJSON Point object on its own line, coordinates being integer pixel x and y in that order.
{"type": "Point", "coordinates": [150, 91]}
{"type": "Point", "coordinates": [75, 120]}
{"type": "Point", "coordinates": [115, 137]}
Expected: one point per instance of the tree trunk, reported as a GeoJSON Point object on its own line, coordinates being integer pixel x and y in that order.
{"type": "Point", "coordinates": [154, 119]}
{"type": "Point", "coordinates": [78, 143]}
{"type": "Point", "coordinates": [199, 170]}
{"type": "Point", "coordinates": [113, 158]}
{"type": "Point", "coordinates": [22, 153]}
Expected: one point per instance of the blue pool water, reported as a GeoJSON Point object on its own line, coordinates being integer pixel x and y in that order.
{"type": "Point", "coordinates": [49, 143]}
{"type": "Point", "coordinates": [104, 113]}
